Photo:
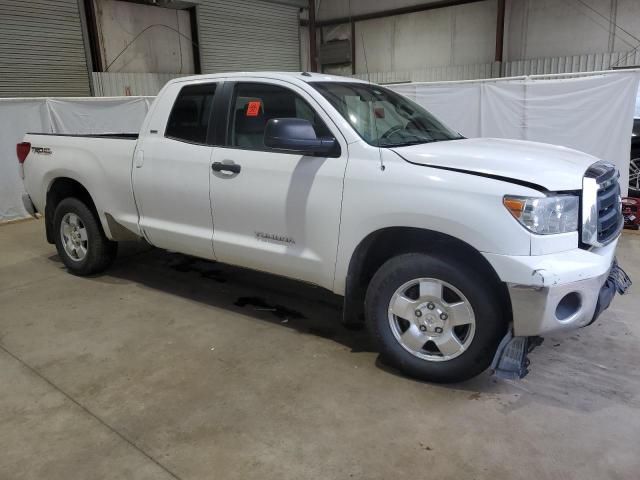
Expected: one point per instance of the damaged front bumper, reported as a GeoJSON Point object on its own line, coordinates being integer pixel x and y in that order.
{"type": "Point", "coordinates": [543, 310]}
{"type": "Point", "coordinates": [556, 292]}
{"type": "Point", "coordinates": [563, 292]}
{"type": "Point", "coordinates": [511, 361]}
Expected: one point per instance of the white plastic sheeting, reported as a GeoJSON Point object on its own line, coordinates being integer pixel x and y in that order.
{"type": "Point", "coordinates": [591, 113]}
{"type": "Point", "coordinates": [57, 115]}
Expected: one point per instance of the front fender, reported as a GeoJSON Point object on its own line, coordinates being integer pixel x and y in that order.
{"type": "Point", "coordinates": [466, 207]}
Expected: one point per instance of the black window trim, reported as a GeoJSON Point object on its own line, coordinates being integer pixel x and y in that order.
{"type": "Point", "coordinates": [222, 107]}
{"type": "Point", "coordinates": [225, 136]}
{"type": "Point", "coordinates": [212, 124]}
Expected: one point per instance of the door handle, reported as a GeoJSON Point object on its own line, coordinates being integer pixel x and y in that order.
{"type": "Point", "coordinates": [139, 159]}
{"type": "Point", "coordinates": [225, 167]}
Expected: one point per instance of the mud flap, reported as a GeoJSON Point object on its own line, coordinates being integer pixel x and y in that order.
{"type": "Point", "coordinates": [617, 282]}
{"type": "Point", "coordinates": [619, 278]}
{"type": "Point", "coordinates": [511, 360]}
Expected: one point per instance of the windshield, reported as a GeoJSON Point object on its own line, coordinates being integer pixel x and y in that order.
{"type": "Point", "coordinates": [382, 117]}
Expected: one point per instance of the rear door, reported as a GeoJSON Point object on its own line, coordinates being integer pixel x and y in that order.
{"type": "Point", "coordinates": [275, 211]}
{"type": "Point", "coordinates": [171, 170]}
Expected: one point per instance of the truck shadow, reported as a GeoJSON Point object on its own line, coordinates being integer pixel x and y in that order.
{"type": "Point", "coordinates": [302, 307]}
{"type": "Point", "coordinates": [264, 297]}
{"type": "Point", "coordinates": [573, 372]}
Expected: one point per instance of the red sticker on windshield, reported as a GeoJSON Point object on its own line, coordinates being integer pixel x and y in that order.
{"type": "Point", "coordinates": [379, 112]}
{"type": "Point", "coordinates": [253, 108]}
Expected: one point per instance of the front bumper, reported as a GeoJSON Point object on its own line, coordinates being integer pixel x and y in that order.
{"type": "Point", "coordinates": [542, 310]}
{"type": "Point", "coordinates": [551, 293]}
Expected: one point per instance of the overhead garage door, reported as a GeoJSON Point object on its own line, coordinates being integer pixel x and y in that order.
{"type": "Point", "coordinates": [41, 49]}
{"type": "Point", "coordinates": [247, 35]}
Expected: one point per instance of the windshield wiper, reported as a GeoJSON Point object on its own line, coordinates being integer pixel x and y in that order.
{"type": "Point", "coordinates": [407, 143]}
{"type": "Point", "coordinates": [418, 142]}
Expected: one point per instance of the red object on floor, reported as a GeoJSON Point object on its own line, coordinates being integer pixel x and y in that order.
{"type": "Point", "coordinates": [630, 211]}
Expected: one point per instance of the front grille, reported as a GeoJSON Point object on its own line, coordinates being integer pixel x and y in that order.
{"type": "Point", "coordinates": [609, 215]}
{"type": "Point", "coordinates": [602, 212]}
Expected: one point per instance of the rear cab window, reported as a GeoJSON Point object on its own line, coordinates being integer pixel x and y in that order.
{"type": "Point", "coordinates": [190, 117]}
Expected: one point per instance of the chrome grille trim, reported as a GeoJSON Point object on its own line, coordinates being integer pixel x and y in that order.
{"type": "Point", "coordinates": [602, 219]}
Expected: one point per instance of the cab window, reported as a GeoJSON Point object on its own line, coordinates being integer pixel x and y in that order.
{"type": "Point", "coordinates": [191, 114]}
{"type": "Point", "coordinates": [254, 104]}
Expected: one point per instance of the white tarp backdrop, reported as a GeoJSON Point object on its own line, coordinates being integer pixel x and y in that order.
{"type": "Point", "coordinates": [592, 113]}
{"type": "Point", "coordinates": [52, 115]}
{"type": "Point", "coordinates": [589, 112]}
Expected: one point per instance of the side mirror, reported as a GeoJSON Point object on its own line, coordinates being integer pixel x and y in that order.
{"type": "Point", "coordinates": [298, 136]}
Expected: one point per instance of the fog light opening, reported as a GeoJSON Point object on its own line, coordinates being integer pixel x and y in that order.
{"type": "Point", "coordinates": [568, 306]}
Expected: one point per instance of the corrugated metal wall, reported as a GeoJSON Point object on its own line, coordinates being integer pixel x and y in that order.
{"type": "Point", "coordinates": [41, 49]}
{"type": "Point", "coordinates": [247, 35]}
{"type": "Point", "coordinates": [125, 84]}
{"type": "Point", "coordinates": [116, 84]}
{"type": "Point", "coordinates": [537, 66]}
{"type": "Point", "coordinates": [577, 63]}
{"type": "Point", "coordinates": [435, 74]}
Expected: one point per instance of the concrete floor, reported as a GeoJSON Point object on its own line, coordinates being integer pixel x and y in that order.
{"type": "Point", "coordinates": [172, 368]}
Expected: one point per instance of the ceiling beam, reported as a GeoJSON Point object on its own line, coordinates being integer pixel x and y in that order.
{"type": "Point", "coordinates": [389, 13]}
{"type": "Point", "coordinates": [292, 3]}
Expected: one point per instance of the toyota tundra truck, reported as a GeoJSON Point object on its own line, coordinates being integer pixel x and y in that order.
{"type": "Point", "coordinates": [456, 253]}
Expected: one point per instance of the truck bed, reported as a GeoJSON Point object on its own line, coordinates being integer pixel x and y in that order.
{"type": "Point", "coordinates": [101, 163]}
{"type": "Point", "coordinates": [118, 136]}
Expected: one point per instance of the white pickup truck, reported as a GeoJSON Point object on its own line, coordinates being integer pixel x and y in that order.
{"type": "Point", "coordinates": [455, 252]}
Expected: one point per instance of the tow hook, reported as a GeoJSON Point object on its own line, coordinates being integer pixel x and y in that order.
{"type": "Point", "coordinates": [511, 360]}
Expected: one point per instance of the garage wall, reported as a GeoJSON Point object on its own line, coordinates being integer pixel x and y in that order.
{"type": "Point", "coordinates": [541, 36]}
{"type": "Point", "coordinates": [41, 49]}
{"type": "Point", "coordinates": [452, 36]}
{"type": "Point", "coordinates": [247, 35]}
{"type": "Point", "coordinates": [551, 28]}
{"type": "Point", "coordinates": [447, 36]}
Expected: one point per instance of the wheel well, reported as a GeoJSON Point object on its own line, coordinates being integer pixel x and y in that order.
{"type": "Point", "coordinates": [60, 189]}
{"type": "Point", "coordinates": [382, 245]}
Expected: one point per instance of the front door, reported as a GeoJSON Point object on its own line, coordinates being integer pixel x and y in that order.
{"type": "Point", "coordinates": [273, 211]}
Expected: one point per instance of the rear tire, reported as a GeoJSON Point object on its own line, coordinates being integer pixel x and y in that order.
{"type": "Point", "coordinates": [80, 240]}
{"type": "Point", "coordinates": [453, 322]}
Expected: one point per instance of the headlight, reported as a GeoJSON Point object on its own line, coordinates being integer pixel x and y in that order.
{"type": "Point", "coordinates": [545, 215]}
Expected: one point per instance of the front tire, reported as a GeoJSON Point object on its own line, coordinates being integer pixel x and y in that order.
{"type": "Point", "coordinates": [80, 240]}
{"type": "Point", "coordinates": [434, 319]}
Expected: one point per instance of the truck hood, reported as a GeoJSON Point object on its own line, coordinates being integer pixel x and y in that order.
{"type": "Point", "coordinates": [534, 164]}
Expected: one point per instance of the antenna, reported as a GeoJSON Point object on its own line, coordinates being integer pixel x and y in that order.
{"type": "Point", "coordinates": [375, 118]}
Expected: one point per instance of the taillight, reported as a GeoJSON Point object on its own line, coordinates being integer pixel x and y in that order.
{"type": "Point", "coordinates": [23, 149]}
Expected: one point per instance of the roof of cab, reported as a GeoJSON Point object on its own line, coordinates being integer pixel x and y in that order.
{"type": "Point", "coordinates": [306, 77]}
